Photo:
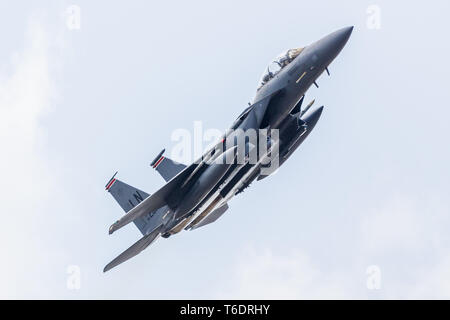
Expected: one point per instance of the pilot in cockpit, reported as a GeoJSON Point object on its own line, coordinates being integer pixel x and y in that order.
{"type": "Point", "coordinates": [279, 63]}
{"type": "Point", "coordinates": [283, 61]}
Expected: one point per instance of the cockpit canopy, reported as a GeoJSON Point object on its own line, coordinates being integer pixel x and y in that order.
{"type": "Point", "coordinates": [277, 64]}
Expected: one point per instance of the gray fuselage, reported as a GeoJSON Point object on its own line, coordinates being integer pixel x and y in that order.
{"type": "Point", "coordinates": [215, 184]}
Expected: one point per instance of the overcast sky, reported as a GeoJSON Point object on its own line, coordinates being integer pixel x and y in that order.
{"type": "Point", "coordinates": [361, 210]}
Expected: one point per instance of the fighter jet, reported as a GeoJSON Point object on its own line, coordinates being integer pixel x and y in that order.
{"type": "Point", "coordinates": [196, 195]}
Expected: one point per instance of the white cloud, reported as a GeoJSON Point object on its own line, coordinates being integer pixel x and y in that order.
{"type": "Point", "coordinates": [26, 94]}
{"type": "Point", "coordinates": [406, 238]}
{"type": "Point", "coordinates": [394, 226]}
{"type": "Point", "coordinates": [261, 274]}
{"type": "Point", "coordinates": [433, 283]}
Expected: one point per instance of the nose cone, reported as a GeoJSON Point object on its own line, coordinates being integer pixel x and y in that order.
{"type": "Point", "coordinates": [331, 45]}
{"type": "Point", "coordinates": [340, 37]}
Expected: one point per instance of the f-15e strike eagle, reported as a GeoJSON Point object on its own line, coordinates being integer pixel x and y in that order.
{"type": "Point", "coordinates": [198, 194]}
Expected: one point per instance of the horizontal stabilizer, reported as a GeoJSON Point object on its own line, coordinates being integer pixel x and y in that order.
{"type": "Point", "coordinates": [135, 249]}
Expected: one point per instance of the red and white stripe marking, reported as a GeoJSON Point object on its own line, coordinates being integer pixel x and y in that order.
{"type": "Point", "coordinates": [110, 184]}
{"type": "Point", "coordinates": [158, 162]}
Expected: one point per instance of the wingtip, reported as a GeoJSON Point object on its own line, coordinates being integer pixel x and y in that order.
{"type": "Point", "coordinates": [112, 228]}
